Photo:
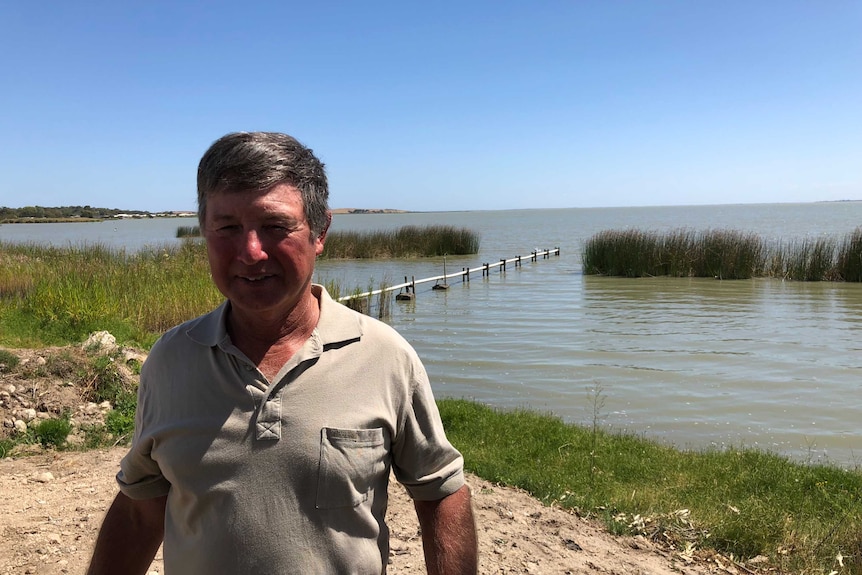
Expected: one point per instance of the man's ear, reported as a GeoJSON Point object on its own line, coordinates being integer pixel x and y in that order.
{"type": "Point", "coordinates": [321, 237]}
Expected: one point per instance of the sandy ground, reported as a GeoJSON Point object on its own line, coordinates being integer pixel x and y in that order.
{"type": "Point", "coordinates": [52, 506]}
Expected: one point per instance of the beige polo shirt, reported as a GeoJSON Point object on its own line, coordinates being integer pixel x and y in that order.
{"type": "Point", "coordinates": [289, 476]}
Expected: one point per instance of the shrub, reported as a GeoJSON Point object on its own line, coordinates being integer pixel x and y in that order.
{"type": "Point", "coordinates": [8, 360]}
{"type": "Point", "coordinates": [120, 422]}
{"type": "Point", "coordinates": [53, 432]}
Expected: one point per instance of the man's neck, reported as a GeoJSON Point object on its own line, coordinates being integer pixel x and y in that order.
{"type": "Point", "coordinates": [272, 340]}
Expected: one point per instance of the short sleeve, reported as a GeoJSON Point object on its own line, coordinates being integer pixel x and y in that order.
{"type": "Point", "coordinates": [140, 476]}
{"type": "Point", "coordinates": [424, 460]}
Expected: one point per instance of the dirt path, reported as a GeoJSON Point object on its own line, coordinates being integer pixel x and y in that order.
{"type": "Point", "coordinates": [52, 506]}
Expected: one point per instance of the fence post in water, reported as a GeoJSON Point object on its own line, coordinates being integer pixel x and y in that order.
{"type": "Point", "coordinates": [405, 295]}
{"type": "Point", "coordinates": [465, 275]}
{"type": "Point", "coordinates": [518, 262]}
{"type": "Point", "coordinates": [502, 265]}
{"type": "Point", "coordinates": [486, 271]}
{"type": "Point", "coordinates": [533, 256]}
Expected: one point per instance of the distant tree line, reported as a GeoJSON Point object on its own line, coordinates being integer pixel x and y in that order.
{"type": "Point", "coordinates": [62, 212]}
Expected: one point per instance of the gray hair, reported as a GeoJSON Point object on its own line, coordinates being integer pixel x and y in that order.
{"type": "Point", "coordinates": [245, 161]}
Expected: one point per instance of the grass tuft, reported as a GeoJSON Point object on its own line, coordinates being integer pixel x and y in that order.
{"type": "Point", "coordinates": [53, 432]}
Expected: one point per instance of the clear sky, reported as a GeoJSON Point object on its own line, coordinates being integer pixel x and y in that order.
{"type": "Point", "coordinates": [438, 105]}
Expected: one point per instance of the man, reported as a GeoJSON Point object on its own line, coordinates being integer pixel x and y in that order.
{"type": "Point", "coordinates": [266, 430]}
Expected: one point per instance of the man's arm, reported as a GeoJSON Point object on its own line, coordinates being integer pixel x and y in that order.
{"type": "Point", "coordinates": [449, 534]}
{"type": "Point", "coordinates": [130, 536]}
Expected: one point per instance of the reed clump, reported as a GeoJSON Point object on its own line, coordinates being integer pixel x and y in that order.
{"type": "Point", "coordinates": [188, 231]}
{"type": "Point", "coordinates": [404, 242]}
{"type": "Point", "coordinates": [740, 502]}
{"type": "Point", "coordinates": [374, 300]}
{"type": "Point", "coordinates": [722, 254]}
{"type": "Point", "coordinates": [849, 266]}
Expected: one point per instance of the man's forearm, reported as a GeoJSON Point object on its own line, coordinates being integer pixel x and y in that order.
{"type": "Point", "coordinates": [129, 537]}
{"type": "Point", "coordinates": [449, 534]}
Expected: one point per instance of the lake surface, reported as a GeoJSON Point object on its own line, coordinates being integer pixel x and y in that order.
{"type": "Point", "coordinates": [690, 362]}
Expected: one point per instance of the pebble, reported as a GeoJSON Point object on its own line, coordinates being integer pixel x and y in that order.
{"type": "Point", "coordinates": [45, 477]}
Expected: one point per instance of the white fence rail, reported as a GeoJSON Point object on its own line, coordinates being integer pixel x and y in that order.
{"type": "Point", "coordinates": [464, 274]}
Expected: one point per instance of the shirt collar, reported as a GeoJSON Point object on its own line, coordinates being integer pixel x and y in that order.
{"type": "Point", "coordinates": [336, 324]}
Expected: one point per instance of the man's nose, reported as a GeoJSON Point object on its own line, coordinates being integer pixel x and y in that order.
{"type": "Point", "coordinates": [251, 251]}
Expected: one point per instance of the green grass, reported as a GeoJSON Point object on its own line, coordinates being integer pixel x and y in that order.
{"type": "Point", "coordinates": [53, 432]}
{"type": "Point", "coordinates": [738, 502]}
{"type": "Point", "coordinates": [405, 242]}
{"type": "Point", "coordinates": [722, 254]}
{"type": "Point", "coordinates": [8, 360]}
{"type": "Point", "coordinates": [55, 296]}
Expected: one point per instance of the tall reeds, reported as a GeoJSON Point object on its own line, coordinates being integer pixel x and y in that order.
{"type": "Point", "coordinates": [62, 294]}
{"type": "Point", "coordinates": [405, 242]}
{"type": "Point", "coordinates": [188, 231]}
{"type": "Point", "coordinates": [51, 295]}
{"type": "Point", "coordinates": [723, 254]}
{"type": "Point", "coordinates": [849, 264]}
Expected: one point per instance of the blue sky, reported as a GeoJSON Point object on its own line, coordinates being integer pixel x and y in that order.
{"type": "Point", "coordinates": [439, 106]}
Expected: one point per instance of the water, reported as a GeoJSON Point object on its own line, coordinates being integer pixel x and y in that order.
{"type": "Point", "coordinates": [691, 362]}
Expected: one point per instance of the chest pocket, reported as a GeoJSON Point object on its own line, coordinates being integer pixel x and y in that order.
{"type": "Point", "coordinates": [351, 460]}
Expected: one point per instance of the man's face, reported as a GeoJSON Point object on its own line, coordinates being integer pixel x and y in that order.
{"type": "Point", "coordinates": [261, 249]}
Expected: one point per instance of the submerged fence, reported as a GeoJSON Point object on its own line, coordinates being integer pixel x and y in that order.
{"type": "Point", "coordinates": [408, 288]}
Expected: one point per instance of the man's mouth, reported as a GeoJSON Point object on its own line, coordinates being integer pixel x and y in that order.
{"type": "Point", "coordinates": [256, 278]}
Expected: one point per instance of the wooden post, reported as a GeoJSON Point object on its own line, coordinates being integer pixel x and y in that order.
{"type": "Point", "coordinates": [502, 265]}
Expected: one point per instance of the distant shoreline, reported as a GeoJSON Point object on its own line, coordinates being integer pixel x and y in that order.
{"type": "Point", "coordinates": [367, 211]}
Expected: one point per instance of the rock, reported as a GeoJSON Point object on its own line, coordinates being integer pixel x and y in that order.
{"type": "Point", "coordinates": [45, 477]}
{"type": "Point", "coordinates": [28, 415]}
{"type": "Point", "coordinates": [133, 355]}
{"type": "Point", "coordinates": [101, 342]}
{"type": "Point", "coordinates": [9, 388]}
{"type": "Point", "coordinates": [20, 426]}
